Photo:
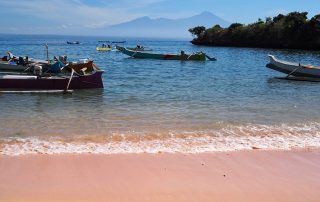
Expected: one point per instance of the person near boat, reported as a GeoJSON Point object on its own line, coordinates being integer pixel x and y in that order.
{"type": "Point", "coordinates": [184, 56]}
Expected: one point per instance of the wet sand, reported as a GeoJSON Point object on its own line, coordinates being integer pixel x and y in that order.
{"type": "Point", "coordinates": [229, 176]}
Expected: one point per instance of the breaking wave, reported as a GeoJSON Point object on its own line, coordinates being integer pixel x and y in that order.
{"type": "Point", "coordinates": [229, 138]}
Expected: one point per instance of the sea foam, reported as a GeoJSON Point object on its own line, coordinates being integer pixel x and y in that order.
{"type": "Point", "coordinates": [230, 138]}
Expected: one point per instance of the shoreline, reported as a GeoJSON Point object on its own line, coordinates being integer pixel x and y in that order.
{"type": "Point", "coordinates": [262, 46]}
{"type": "Point", "coordinates": [257, 175]}
{"type": "Point", "coordinates": [224, 139]}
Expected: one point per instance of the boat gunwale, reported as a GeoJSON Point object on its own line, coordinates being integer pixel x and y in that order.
{"type": "Point", "coordinates": [274, 60]}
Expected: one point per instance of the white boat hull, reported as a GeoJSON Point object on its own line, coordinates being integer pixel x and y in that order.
{"type": "Point", "coordinates": [293, 69]}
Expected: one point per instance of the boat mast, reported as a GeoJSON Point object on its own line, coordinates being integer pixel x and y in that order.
{"type": "Point", "coordinates": [47, 49]}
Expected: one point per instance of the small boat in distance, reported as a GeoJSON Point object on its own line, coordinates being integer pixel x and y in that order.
{"type": "Point", "coordinates": [73, 42]}
{"type": "Point", "coordinates": [199, 56]}
{"type": "Point", "coordinates": [139, 48]}
{"type": "Point", "coordinates": [104, 48]}
{"type": "Point", "coordinates": [119, 42]}
{"type": "Point", "coordinates": [294, 69]}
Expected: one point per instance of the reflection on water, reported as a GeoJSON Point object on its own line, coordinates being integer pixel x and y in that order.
{"type": "Point", "coordinates": [152, 96]}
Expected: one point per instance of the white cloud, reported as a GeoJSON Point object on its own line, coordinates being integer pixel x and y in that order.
{"type": "Point", "coordinates": [68, 14]}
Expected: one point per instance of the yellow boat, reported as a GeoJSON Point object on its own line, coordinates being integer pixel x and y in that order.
{"type": "Point", "coordinates": [103, 49]}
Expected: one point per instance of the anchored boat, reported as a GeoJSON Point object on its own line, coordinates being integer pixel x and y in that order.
{"type": "Point", "coordinates": [74, 75]}
{"type": "Point", "coordinates": [294, 69]}
{"type": "Point", "coordinates": [146, 55]}
{"type": "Point", "coordinates": [119, 42]}
{"type": "Point", "coordinates": [103, 49]}
{"type": "Point", "coordinates": [11, 62]}
{"type": "Point", "coordinates": [26, 64]}
{"type": "Point", "coordinates": [73, 42]}
{"type": "Point", "coordinates": [57, 82]}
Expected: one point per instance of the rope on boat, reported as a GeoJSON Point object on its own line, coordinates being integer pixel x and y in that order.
{"type": "Point", "coordinates": [208, 57]}
{"type": "Point", "coordinates": [190, 56]}
{"type": "Point", "coordinates": [96, 67]}
{"type": "Point", "coordinates": [134, 54]}
{"type": "Point", "coordinates": [293, 71]}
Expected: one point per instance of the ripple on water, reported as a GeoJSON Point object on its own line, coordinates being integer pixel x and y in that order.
{"type": "Point", "coordinates": [150, 105]}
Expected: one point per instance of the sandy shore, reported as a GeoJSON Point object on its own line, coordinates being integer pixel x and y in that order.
{"type": "Point", "coordinates": [232, 176]}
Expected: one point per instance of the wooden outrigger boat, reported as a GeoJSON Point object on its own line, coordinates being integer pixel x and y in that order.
{"type": "Point", "coordinates": [14, 63]}
{"type": "Point", "coordinates": [103, 47]}
{"type": "Point", "coordinates": [26, 64]}
{"type": "Point", "coordinates": [59, 64]}
{"type": "Point", "coordinates": [294, 69]}
{"type": "Point", "coordinates": [80, 75]}
{"type": "Point", "coordinates": [146, 55]}
{"type": "Point", "coordinates": [57, 82]}
{"type": "Point", "coordinates": [73, 42]}
{"type": "Point", "coordinates": [119, 42]}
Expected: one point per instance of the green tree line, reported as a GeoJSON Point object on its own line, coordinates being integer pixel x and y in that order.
{"type": "Point", "coordinates": [292, 31]}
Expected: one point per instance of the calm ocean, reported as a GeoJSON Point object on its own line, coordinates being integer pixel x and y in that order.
{"type": "Point", "coordinates": [233, 103]}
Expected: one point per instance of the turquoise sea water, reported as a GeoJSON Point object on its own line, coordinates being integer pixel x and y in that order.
{"type": "Point", "coordinates": [152, 105]}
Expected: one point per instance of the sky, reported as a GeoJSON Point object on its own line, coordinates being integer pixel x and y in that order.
{"type": "Point", "coordinates": [86, 17]}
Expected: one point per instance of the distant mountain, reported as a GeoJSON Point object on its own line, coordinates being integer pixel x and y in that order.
{"type": "Point", "coordinates": [163, 27]}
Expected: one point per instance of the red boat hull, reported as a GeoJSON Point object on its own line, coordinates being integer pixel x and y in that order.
{"type": "Point", "coordinates": [54, 83]}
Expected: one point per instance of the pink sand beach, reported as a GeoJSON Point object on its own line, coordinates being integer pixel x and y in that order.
{"type": "Point", "coordinates": [228, 176]}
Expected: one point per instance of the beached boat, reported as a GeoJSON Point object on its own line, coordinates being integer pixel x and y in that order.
{"type": "Point", "coordinates": [293, 69]}
{"type": "Point", "coordinates": [146, 55]}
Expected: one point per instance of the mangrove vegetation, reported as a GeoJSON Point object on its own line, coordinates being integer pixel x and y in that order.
{"type": "Point", "coordinates": [291, 31]}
